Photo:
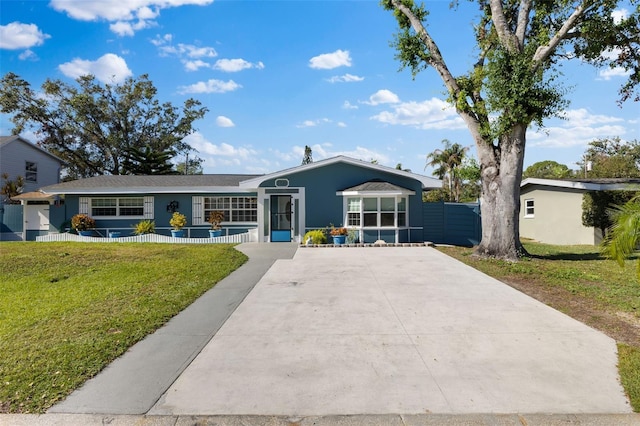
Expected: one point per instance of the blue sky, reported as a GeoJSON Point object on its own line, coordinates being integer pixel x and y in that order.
{"type": "Point", "coordinates": [279, 75]}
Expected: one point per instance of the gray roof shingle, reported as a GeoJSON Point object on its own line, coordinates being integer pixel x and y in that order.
{"type": "Point", "coordinates": [153, 182]}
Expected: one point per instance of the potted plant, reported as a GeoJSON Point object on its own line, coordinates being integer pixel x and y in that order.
{"type": "Point", "coordinates": [144, 227]}
{"type": "Point", "coordinates": [339, 235]}
{"type": "Point", "coordinates": [83, 224]}
{"type": "Point", "coordinates": [215, 219]}
{"type": "Point", "coordinates": [177, 222]}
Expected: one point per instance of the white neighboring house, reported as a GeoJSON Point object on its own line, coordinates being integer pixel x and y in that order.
{"type": "Point", "coordinates": [38, 168]}
{"type": "Point", "coordinates": [551, 209]}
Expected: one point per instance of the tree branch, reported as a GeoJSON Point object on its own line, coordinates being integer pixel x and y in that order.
{"type": "Point", "coordinates": [523, 20]}
{"type": "Point", "coordinates": [436, 60]}
{"type": "Point", "coordinates": [507, 39]}
{"type": "Point", "coordinates": [543, 52]}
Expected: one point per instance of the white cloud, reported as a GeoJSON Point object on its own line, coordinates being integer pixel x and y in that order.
{"type": "Point", "coordinates": [195, 65]}
{"type": "Point", "coordinates": [190, 55]}
{"type": "Point", "coordinates": [610, 73]}
{"type": "Point", "coordinates": [578, 129]}
{"type": "Point", "coordinates": [210, 86]}
{"type": "Point", "coordinates": [581, 117]}
{"type": "Point", "coordinates": [128, 28]}
{"type": "Point", "coordinates": [235, 65]}
{"type": "Point", "coordinates": [327, 61]}
{"type": "Point", "coordinates": [430, 114]}
{"type": "Point", "coordinates": [348, 105]}
{"type": "Point", "coordinates": [325, 150]}
{"type": "Point", "coordinates": [232, 155]}
{"type": "Point", "coordinates": [313, 123]}
{"type": "Point", "coordinates": [28, 54]}
{"type": "Point", "coordinates": [383, 96]}
{"type": "Point", "coordinates": [182, 50]}
{"type": "Point", "coordinates": [121, 12]}
{"type": "Point", "coordinates": [619, 14]}
{"type": "Point", "coordinates": [17, 35]}
{"type": "Point", "coordinates": [109, 68]}
{"type": "Point", "coordinates": [341, 124]}
{"type": "Point", "coordinates": [347, 78]}
{"type": "Point", "coordinates": [162, 40]}
{"type": "Point", "coordinates": [223, 121]}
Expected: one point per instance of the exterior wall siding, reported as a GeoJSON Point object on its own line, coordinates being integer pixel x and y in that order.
{"type": "Point", "coordinates": [324, 207]}
{"type": "Point", "coordinates": [13, 161]}
{"type": "Point", "coordinates": [161, 216]}
{"type": "Point", "coordinates": [557, 217]}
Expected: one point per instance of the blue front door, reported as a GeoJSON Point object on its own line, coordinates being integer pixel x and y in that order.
{"type": "Point", "coordinates": [280, 218]}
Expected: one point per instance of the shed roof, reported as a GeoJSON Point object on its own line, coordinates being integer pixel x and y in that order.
{"type": "Point", "coordinates": [600, 184]}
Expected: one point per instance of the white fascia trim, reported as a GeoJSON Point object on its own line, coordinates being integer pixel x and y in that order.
{"type": "Point", "coordinates": [585, 186]}
{"type": "Point", "coordinates": [374, 193]}
{"type": "Point", "coordinates": [155, 190]}
{"type": "Point", "coordinates": [427, 182]}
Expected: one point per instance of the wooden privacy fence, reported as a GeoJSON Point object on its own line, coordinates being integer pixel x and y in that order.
{"type": "Point", "coordinates": [246, 237]}
{"type": "Point", "coordinates": [11, 221]}
{"type": "Point", "coordinates": [452, 223]}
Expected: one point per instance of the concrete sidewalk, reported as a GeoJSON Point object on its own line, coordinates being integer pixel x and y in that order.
{"type": "Point", "coordinates": [408, 330]}
{"type": "Point", "coordinates": [134, 382]}
{"type": "Point", "coordinates": [360, 420]}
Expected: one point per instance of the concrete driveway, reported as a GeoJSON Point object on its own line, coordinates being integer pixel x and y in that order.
{"type": "Point", "coordinates": [394, 330]}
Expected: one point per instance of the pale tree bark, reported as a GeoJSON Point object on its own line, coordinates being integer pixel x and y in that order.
{"type": "Point", "coordinates": [501, 173]}
{"type": "Point", "coordinates": [501, 160]}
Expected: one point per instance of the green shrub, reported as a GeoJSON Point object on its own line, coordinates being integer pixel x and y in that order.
{"type": "Point", "coordinates": [144, 227]}
{"type": "Point", "coordinates": [317, 237]}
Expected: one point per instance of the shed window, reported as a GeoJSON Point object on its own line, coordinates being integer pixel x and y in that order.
{"type": "Point", "coordinates": [528, 208]}
{"type": "Point", "coordinates": [31, 171]}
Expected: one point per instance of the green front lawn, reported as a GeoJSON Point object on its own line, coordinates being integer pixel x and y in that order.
{"type": "Point", "coordinates": [69, 309]}
{"type": "Point", "coordinates": [578, 281]}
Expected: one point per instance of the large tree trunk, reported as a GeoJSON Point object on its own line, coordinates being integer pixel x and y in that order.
{"type": "Point", "coordinates": [500, 197]}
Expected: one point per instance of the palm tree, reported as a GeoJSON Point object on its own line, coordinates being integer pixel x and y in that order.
{"type": "Point", "coordinates": [624, 235]}
{"type": "Point", "coordinates": [447, 161]}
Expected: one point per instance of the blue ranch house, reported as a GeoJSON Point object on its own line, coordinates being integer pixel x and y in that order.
{"type": "Point", "coordinates": [380, 203]}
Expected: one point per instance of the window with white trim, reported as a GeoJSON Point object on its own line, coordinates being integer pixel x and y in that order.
{"type": "Point", "coordinates": [235, 209]}
{"type": "Point", "coordinates": [117, 207]}
{"type": "Point", "coordinates": [377, 212]}
{"type": "Point", "coordinates": [529, 209]}
{"type": "Point", "coordinates": [30, 171]}
{"type": "Point", "coordinates": [353, 211]}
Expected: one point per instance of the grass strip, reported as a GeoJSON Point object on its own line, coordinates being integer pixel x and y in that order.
{"type": "Point", "coordinates": [68, 309]}
{"type": "Point", "coordinates": [578, 281]}
{"type": "Point", "coordinates": [629, 367]}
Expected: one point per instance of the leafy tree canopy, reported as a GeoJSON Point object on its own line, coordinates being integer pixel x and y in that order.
{"type": "Point", "coordinates": [613, 158]}
{"type": "Point", "coordinates": [191, 166]}
{"type": "Point", "coordinates": [147, 161]}
{"type": "Point", "coordinates": [596, 205]}
{"type": "Point", "coordinates": [514, 79]}
{"type": "Point", "coordinates": [447, 163]}
{"type": "Point", "coordinates": [95, 128]}
{"type": "Point", "coordinates": [547, 169]}
{"type": "Point", "coordinates": [11, 188]}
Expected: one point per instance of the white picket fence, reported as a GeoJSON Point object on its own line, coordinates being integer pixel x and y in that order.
{"type": "Point", "coordinates": [247, 237]}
